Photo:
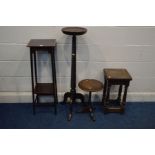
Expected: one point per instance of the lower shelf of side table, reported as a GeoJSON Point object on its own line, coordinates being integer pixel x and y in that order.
{"type": "Point", "coordinates": [44, 89]}
{"type": "Point", "coordinates": [113, 109]}
{"type": "Point", "coordinates": [113, 106]}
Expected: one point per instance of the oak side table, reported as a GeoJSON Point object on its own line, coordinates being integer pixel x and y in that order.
{"type": "Point", "coordinates": [119, 77]}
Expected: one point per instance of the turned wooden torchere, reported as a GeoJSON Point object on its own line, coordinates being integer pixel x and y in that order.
{"type": "Point", "coordinates": [73, 95]}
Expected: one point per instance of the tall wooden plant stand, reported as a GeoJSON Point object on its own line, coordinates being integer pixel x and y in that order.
{"type": "Point", "coordinates": [43, 89]}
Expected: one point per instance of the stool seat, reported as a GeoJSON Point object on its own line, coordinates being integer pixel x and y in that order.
{"type": "Point", "coordinates": [117, 74]}
{"type": "Point", "coordinates": [74, 30]}
{"type": "Point", "coordinates": [90, 85]}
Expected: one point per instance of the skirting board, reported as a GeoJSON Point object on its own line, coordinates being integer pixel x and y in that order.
{"type": "Point", "coordinates": [25, 97]}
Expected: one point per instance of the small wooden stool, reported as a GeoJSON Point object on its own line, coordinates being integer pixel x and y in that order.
{"type": "Point", "coordinates": [90, 85]}
{"type": "Point", "coordinates": [119, 77]}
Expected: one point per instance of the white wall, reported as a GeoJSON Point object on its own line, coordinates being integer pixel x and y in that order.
{"type": "Point", "coordinates": [132, 48]}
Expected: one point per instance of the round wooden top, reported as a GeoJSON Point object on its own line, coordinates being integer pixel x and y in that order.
{"type": "Point", "coordinates": [90, 85]}
{"type": "Point", "coordinates": [74, 30]}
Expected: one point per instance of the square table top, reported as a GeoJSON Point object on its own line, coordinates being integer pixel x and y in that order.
{"type": "Point", "coordinates": [117, 74]}
{"type": "Point", "coordinates": [42, 43]}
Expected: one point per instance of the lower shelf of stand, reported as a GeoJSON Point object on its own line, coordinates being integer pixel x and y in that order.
{"type": "Point", "coordinates": [44, 89]}
{"type": "Point", "coordinates": [113, 105]}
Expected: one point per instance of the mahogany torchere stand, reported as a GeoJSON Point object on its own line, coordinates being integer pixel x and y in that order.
{"type": "Point", "coordinates": [42, 89]}
{"type": "Point", "coordinates": [73, 95]}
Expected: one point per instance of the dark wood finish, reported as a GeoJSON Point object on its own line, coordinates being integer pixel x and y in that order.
{"type": "Point", "coordinates": [90, 85]}
{"type": "Point", "coordinates": [42, 89]}
{"type": "Point", "coordinates": [42, 43]}
{"type": "Point", "coordinates": [73, 95]}
{"type": "Point", "coordinates": [119, 77]}
{"type": "Point", "coordinates": [74, 30]}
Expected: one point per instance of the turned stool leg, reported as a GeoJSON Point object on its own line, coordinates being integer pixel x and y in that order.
{"type": "Point", "coordinates": [70, 110]}
{"type": "Point", "coordinates": [91, 108]}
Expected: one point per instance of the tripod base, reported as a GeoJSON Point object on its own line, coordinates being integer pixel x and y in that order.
{"type": "Point", "coordinates": [67, 97]}
{"type": "Point", "coordinates": [77, 96]}
{"type": "Point", "coordinates": [89, 110]}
